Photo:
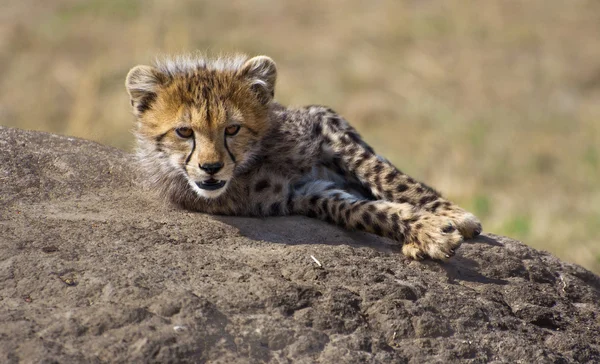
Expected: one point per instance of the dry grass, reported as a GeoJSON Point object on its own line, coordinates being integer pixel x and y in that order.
{"type": "Point", "coordinates": [495, 103]}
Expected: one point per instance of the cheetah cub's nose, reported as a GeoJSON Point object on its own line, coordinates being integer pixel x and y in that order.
{"type": "Point", "coordinates": [211, 168]}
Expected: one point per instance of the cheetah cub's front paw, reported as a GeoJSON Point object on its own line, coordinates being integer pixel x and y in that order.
{"type": "Point", "coordinates": [468, 225]}
{"type": "Point", "coordinates": [432, 236]}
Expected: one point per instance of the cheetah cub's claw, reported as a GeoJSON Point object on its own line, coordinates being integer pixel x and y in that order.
{"type": "Point", "coordinates": [432, 236]}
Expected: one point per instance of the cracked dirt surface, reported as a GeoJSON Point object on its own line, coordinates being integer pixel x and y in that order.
{"type": "Point", "coordinates": [94, 269]}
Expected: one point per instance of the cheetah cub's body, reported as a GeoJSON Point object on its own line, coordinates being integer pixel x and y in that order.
{"type": "Point", "coordinates": [212, 139]}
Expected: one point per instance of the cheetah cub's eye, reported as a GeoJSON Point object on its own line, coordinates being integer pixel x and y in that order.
{"type": "Point", "coordinates": [184, 132]}
{"type": "Point", "coordinates": [232, 130]}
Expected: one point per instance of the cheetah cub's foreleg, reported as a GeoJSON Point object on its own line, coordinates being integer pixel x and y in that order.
{"type": "Point", "coordinates": [422, 233]}
{"type": "Point", "coordinates": [429, 224]}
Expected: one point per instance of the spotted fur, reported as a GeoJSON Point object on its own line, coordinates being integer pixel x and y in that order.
{"type": "Point", "coordinates": [306, 161]}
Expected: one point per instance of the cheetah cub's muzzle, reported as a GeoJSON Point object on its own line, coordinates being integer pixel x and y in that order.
{"type": "Point", "coordinates": [211, 183]}
{"type": "Point", "coordinates": [209, 180]}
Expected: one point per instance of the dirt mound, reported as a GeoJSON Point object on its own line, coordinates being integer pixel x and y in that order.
{"type": "Point", "coordinates": [94, 269]}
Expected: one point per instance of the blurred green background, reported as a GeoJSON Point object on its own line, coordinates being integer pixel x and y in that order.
{"type": "Point", "coordinates": [495, 103]}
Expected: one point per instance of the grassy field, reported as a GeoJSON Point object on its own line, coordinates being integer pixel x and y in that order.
{"type": "Point", "coordinates": [497, 104]}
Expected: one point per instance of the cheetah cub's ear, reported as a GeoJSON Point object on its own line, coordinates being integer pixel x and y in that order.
{"type": "Point", "coordinates": [262, 73]}
{"type": "Point", "coordinates": [142, 84]}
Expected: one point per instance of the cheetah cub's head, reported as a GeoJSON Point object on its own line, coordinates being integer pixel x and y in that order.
{"type": "Point", "coordinates": [199, 122]}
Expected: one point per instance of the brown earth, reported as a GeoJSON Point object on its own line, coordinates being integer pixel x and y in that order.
{"type": "Point", "coordinates": [94, 269]}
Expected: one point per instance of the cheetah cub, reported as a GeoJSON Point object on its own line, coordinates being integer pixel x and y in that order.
{"type": "Point", "coordinates": [211, 138]}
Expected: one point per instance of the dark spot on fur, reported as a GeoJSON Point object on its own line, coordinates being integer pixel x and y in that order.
{"type": "Point", "coordinates": [381, 216]}
{"type": "Point", "coordinates": [354, 136]}
{"type": "Point", "coordinates": [435, 206]}
{"type": "Point", "coordinates": [334, 209]}
{"type": "Point", "coordinates": [359, 226]}
{"type": "Point", "coordinates": [367, 147]}
{"type": "Point", "coordinates": [261, 185]}
{"type": "Point", "coordinates": [377, 229]}
{"type": "Point", "coordinates": [366, 218]}
{"type": "Point", "coordinates": [420, 190]}
{"type": "Point", "coordinates": [418, 226]}
{"type": "Point", "coordinates": [400, 236]}
{"type": "Point", "coordinates": [277, 188]}
{"type": "Point", "coordinates": [275, 208]}
{"type": "Point", "coordinates": [391, 176]}
{"type": "Point", "coordinates": [317, 129]}
{"type": "Point", "coordinates": [146, 102]}
{"type": "Point", "coordinates": [426, 199]}
{"type": "Point", "coordinates": [358, 204]}
{"type": "Point", "coordinates": [395, 227]}
{"type": "Point", "coordinates": [338, 209]}
{"type": "Point", "coordinates": [378, 168]}
{"type": "Point", "coordinates": [378, 180]}
{"type": "Point", "coordinates": [313, 200]}
{"type": "Point", "coordinates": [359, 162]}
{"type": "Point", "coordinates": [311, 213]}
{"type": "Point", "coordinates": [325, 205]}
{"type": "Point", "coordinates": [431, 190]}
{"type": "Point", "coordinates": [334, 122]}
{"type": "Point", "coordinates": [290, 201]}
{"type": "Point", "coordinates": [401, 188]}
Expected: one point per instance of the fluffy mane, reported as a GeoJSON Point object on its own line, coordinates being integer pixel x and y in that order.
{"type": "Point", "coordinates": [189, 62]}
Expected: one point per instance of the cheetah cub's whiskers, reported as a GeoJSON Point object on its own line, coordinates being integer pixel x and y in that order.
{"type": "Point", "coordinates": [211, 138]}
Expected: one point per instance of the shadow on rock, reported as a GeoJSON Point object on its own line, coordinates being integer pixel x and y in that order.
{"type": "Point", "coordinates": [298, 230]}
{"type": "Point", "coordinates": [484, 239]}
{"type": "Point", "coordinates": [465, 269]}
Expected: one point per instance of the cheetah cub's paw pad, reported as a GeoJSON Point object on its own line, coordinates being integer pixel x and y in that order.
{"type": "Point", "coordinates": [432, 236]}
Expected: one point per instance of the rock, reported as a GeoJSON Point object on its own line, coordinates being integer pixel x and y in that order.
{"type": "Point", "coordinates": [93, 268]}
